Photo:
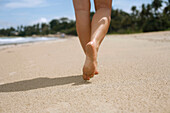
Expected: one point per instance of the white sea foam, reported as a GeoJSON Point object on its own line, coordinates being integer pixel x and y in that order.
{"type": "Point", "coordinates": [18, 40]}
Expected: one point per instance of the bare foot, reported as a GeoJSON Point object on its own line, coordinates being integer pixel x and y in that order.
{"type": "Point", "coordinates": [90, 66]}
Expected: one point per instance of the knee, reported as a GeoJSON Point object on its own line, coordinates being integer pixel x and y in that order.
{"type": "Point", "coordinates": [107, 7]}
{"type": "Point", "coordinates": [82, 9]}
{"type": "Point", "coordinates": [81, 5]}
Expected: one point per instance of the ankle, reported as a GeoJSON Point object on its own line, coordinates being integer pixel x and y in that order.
{"type": "Point", "coordinates": [94, 44]}
{"type": "Point", "coordinates": [91, 52]}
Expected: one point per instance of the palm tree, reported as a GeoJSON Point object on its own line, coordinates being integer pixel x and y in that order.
{"type": "Point", "coordinates": [133, 9]}
{"type": "Point", "coordinates": [143, 12]}
{"type": "Point", "coordinates": [156, 4]}
{"type": "Point", "coordinates": [148, 11]}
{"type": "Point", "coordinates": [167, 8]}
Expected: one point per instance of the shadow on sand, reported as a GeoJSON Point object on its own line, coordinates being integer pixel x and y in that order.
{"type": "Point", "coordinates": [41, 82]}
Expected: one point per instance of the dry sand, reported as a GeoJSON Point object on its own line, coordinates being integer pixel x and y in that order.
{"type": "Point", "coordinates": [46, 77]}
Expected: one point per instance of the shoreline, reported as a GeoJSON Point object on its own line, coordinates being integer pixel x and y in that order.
{"type": "Point", "coordinates": [3, 47]}
{"type": "Point", "coordinates": [68, 36]}
{"type": "Point", "coordinates": [21, 40]}
{"type": "Point", "coordinates": [146, 36]}
{"type": "Point", "coordinates": [48, 36]}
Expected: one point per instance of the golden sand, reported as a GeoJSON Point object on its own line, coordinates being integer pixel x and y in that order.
{"type": "Point", "coordinates": [46, 77]}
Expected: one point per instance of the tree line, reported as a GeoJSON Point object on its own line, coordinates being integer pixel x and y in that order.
{"type": "Point", "coordinates": [151, 17]}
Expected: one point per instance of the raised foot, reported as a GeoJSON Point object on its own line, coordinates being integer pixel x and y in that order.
{"type": "Point", "coordinates": [90, 65]}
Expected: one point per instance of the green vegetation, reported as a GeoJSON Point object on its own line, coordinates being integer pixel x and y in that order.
{"type": "Point", "coordinates": [151, 17]}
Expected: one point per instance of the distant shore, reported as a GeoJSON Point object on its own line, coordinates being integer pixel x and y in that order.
{"type": "Point", "coordinates": [49, 35]}
{"type": "Point", "coordinates": [15, 40]}
{"type": "Point", "coordinates": [61, 35]}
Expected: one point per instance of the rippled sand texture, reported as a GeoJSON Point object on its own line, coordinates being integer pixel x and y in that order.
{"type": "Point", "coordinates": [46, 77]}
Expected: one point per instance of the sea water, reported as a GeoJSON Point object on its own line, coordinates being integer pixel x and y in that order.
{"type": "Point", "coordinates": [20, 40]}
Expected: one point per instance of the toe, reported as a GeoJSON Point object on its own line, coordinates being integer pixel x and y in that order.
{"type": "Point", "coordinates": [96, 72]}
{"type": "Point", "coordinates": [88, 78]}
{"type": "Point", "coordinates": [85, 77]}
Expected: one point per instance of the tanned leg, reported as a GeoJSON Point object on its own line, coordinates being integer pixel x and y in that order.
{"type": "Point", "coordinates": [99, 27]}
{"type": "Point", "coordinates": [83, 23]}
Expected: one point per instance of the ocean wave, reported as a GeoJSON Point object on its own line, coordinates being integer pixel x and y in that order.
{"type": "Point", "coordinates": [18, 40]}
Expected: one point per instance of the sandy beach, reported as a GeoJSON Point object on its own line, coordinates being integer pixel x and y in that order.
{"type": "Point", "coordinates": [46, 77]}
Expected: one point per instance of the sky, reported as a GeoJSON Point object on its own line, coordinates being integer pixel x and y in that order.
{"type": "Point", "coordinates": [28, 12]}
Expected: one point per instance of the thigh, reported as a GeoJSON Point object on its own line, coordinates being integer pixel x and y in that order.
{"type": "Point", "coordinates": [103, 4]}
{"type": "Point", "coordinates": [81, 4]}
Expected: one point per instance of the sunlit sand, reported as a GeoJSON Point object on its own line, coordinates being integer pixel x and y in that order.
{"type": "Point", "coordinates": [134, 75]}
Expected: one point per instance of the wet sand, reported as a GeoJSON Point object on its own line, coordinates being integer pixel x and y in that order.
{"type": "Point", "coordinates": [46, 77]}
